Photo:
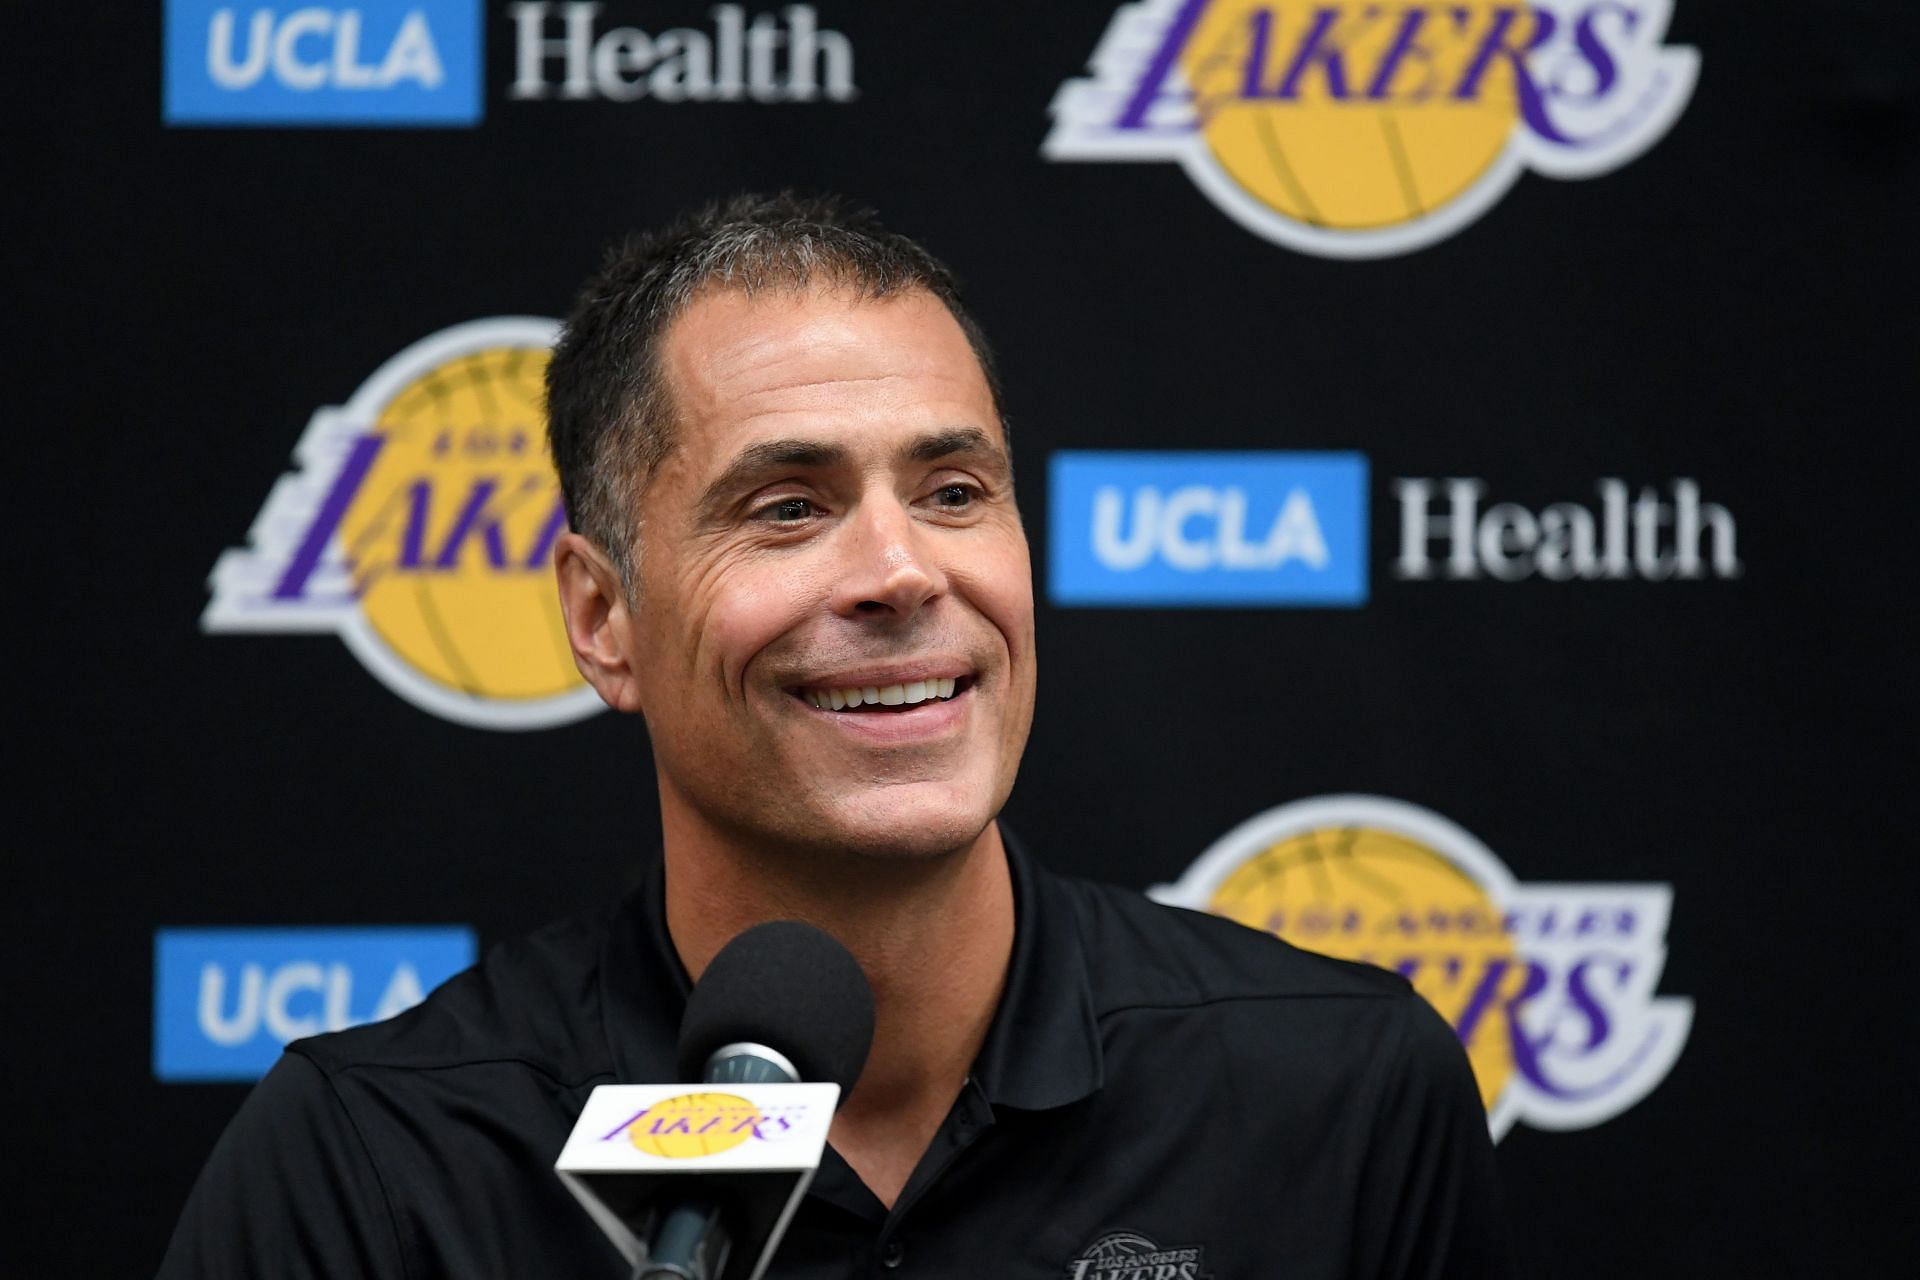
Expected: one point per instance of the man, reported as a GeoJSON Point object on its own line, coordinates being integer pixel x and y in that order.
{"type": "Point", "coordinates": [796, 555]}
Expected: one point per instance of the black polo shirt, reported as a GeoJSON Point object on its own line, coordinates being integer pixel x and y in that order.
{"type": "Point", "coordinates": [1162, 1096]}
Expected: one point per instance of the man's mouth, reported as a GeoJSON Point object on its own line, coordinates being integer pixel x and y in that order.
{"type": "Point", "coordinates": [885, 697]}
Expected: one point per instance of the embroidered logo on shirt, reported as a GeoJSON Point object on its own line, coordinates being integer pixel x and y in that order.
{"type": "Point", "coordinates": [1128, 1255]}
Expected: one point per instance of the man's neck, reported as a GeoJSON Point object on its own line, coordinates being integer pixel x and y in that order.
{"type": "Point", "coordinates": [933, 935]}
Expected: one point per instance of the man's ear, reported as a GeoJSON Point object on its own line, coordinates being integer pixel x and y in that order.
{"type": "Point", "coordinates": [594, 604]}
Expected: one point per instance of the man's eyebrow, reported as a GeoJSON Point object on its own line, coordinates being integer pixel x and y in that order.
{"type": "Point", "coordinates": [944, 444]}
{"type": "Point", "coordinates": [780, 455]}
{"type": "Point", "coordinates": [770, 455]}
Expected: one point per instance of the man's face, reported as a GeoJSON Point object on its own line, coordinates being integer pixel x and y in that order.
{"type": "Point", "coordinates": [835, 521]}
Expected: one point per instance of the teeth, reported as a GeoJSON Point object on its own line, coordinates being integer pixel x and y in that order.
{"type": "Point", "coordinates": [908, 694]}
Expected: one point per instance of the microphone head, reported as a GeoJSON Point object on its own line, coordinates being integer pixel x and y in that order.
{"type": "Point", "coordinates": [790, 987]}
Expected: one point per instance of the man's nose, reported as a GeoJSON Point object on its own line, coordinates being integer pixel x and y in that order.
{"type": "Point", "coordinates": [888, 566]}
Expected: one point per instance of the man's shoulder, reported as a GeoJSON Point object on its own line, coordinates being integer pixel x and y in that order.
{"type": "Point", "coordinates": [1334, 1029]}
{"type": "Point", "coordinates": [1145, 954]}
{"type": "Point", "coordinates": [534, 1001]}
{"type": "Point", "coordinates": [376, 1150]}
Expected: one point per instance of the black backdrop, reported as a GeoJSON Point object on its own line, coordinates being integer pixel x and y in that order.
{"type": "Point", "coordinates": [1736, 306]}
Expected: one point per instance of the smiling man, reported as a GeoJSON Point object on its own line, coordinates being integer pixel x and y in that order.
{"type": "Point", "coordinates": [796, 555]}
{"type": "Point", "coordinates": [824, 612]}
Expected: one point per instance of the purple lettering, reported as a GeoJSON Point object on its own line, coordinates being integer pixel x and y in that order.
{"type": "Point", "coordinates": [1525, 1050]}
{"type": "Point", "coordinates": [549, 534]}
{"type": "Point", "coordinates": [624, 1125]}
{"type": "Point", "coordinates": [1319, 46]}
{"type": "Point", "coordinates": [1151, 84]}
{"type": "Point", "coordinates": [1583, 998]}
{"type": "Point", "coordinates": [326, 521]}
{"type": "Point", "coordinates": [1481, 999]}
{"type": "Point", "coordinates": [1494, 43]}
{"type": "Point", "coordinates": [1586, 38]}
{"type": "Point", "coordinates": [1405, 46]}
{"type": "Point", "coordinates": [413, 541]}
{"type": "Point", "coordinates": [1533, 104]}
{"type": "Point", "coordinates": [1260, 27]}
{"type": "Point", "coordinates": [1528, 1051]}
{"type": "Point", "coordinates": [475, 516]}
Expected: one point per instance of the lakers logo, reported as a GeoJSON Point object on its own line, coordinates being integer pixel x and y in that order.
{"type": "Point", "coordinates": [1128, 1255]}
{"type": "Point", "coordinates": [690, 1126]}
{"type": "Point", "coordinates": [419, 527]}
{"type": "Point", "coordinates": [695, 1124]}
{"type": "Point", "coordinates": [1366, 128]}
{"type": "Point", "coordinates": [1549, 987]}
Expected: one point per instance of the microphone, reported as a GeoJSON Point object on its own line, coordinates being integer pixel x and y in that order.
{"type": "Point", "coordinates": [781, 1003]}
{"type": "Point", "coordinates": [783, 983]}
{"type": "Point", "coordinates": [783, 1018]}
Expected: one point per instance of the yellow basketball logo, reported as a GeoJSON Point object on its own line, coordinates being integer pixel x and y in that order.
{"type": "Point", "coordinates": [692, 1125]}
{"type": "Point", "coordinates": [1364, 128]}
{"type": "Point", "coordinates": [1549, 987]}
{"type": "Point", "coordinates": [420, 527]}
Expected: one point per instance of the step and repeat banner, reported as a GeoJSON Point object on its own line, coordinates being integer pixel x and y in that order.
{"type": "Point", "coordinates": [1464, 448]}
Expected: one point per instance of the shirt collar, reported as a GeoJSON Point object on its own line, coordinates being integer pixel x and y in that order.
{"type": "Point", "coordinates": [1042, 1049]}
{"type": "Point", "coordinates": [643, 985]}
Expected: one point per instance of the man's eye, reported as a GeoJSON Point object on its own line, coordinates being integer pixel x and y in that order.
{"type": "Point", "coordinates": [953, 496]}
{"type": "Point", "coordinates": [787, 510]}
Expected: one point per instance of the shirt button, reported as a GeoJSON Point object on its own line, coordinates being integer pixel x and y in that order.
{"type": "Point", "coordinates": [893, 1255]}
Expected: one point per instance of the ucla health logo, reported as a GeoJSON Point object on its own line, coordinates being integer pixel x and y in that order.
{"type": "Point", "coordinates": [419, 527]}
{"type": "Point", "coordinates": [227, 1000]}
{"type": "Point", "coordinates": [1191, 529]}
{"type": "Point", "coordinates": [379, 62]}
{"type": "Point", "coordinates": [1550, 987]}
{"type": "Point", "coordinates": [1364, 128]}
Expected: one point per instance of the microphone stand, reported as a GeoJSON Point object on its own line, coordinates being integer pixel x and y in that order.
{"type": "Point", "coordinates": [691, 1243]}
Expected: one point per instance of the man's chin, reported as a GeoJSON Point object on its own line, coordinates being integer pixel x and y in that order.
{"type": "Point", "coordinates": [916, 822]}
{"type": "Point", "coordinates": [926, 842]}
